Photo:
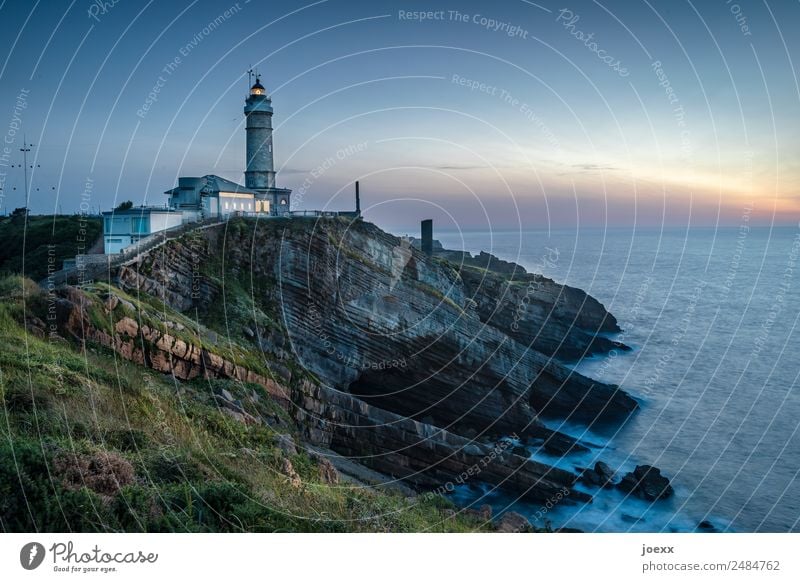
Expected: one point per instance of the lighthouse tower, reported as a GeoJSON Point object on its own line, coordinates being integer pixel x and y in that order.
{"type": "Point", "coordinates": [259, 174]}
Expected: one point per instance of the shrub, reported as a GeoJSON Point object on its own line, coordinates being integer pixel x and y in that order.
{"type": "Point", "coordinates": [20, 400]}
{"type": "Point", "coordinates": [31, 501]}
{"type": "Point", "coordinates": [104, 473]}
{"type": "Point", "coordinates": [174, 469]}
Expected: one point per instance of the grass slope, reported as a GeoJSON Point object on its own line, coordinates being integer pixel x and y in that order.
{"type": "Point", "coordinates": [90, 442]}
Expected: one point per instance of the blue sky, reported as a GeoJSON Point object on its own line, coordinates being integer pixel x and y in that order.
{"type": "Point", "coordinates": [483, 114]}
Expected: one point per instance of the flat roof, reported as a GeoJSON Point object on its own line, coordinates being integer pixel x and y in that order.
{"type": "Point", "coordinates": [139, 210]}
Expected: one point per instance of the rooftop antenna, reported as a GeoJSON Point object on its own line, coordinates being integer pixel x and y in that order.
{"type": "Point", "coordinates": [249, 77]}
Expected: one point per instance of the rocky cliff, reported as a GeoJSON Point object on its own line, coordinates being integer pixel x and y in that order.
{"type": "Point", "coordinates": [420, 336]}
{"type": "Point", "coordinates": [417, 364]}
{"type": "Point", "coordinates": [400, 448]}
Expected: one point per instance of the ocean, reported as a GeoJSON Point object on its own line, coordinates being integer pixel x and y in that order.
{"type": "Point", "coordinates": [712, 316]}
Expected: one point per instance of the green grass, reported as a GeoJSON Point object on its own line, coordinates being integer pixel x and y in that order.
{"type": "Point", "coordinates": [68, 235]}
{"type": "Point", "coordinates": [441, 297]}
{"type": "Point", "coordinates": [194, 468]}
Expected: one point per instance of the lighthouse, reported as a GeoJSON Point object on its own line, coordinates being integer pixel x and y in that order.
{"type": "Point", "coordinates": [259, 174]}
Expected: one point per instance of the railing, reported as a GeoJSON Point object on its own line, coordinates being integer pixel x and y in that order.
{"type": "Point", "coordinates": [159, 238]}
{"type": "Point", "coordinates": [323, 213]}
{"type": "Point", "coordinates": [89, 267]}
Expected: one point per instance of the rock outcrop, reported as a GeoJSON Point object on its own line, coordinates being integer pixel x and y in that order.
{"type": "Point", "coordinates": [417, 453]}
{"type": "Point", "coordinates": [513, 522]}
{"type": "Point", "coordinates": [554, 319]}
{"type": "Point", "coordinates": [647, 483]}
{"type": "Point", "coordinates": [406, 332]}
{"type": "Point", "coordinates": [601, 475]}
{"type": "Point", "coordinates": [419, 364]}
{"type": "Point", "coordinates": [151, 347]}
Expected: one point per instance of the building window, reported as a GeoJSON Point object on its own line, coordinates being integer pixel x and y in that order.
{"type": "Point", "coordinates": [139, 225]}
{"type": "Point", "coordinates": [226, 206]}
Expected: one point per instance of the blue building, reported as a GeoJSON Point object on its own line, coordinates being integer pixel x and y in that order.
{"type": "Point", "coordinates": [123, 228]}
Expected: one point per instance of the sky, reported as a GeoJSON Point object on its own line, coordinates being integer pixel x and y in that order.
{"type": "Point", "coordinates": [507, 114]}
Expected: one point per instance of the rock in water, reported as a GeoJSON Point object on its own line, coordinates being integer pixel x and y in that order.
{"type": "Point", "coordinates": [601, 475]}
{"type": "Point", "coordinates": [561, 444]}
{"type": "Point", "coordinates": [647, 483]}
{"type": "Point", "coordinates": [706, 526]}
{"type": "Point", "coordinates": [605, 473]}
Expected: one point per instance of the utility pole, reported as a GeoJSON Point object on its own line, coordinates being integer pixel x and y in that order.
{"type": "Point", "coordinates": [26, 147]}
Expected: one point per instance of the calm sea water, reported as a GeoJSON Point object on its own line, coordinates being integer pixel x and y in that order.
{"type": "Point", "coordinates": [712, 317]}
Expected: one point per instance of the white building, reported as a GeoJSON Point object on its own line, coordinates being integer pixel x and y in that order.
{"type": "Point", "coordinates": [122, 228]}
{"type": "Point", "coordinates": [215, 197]}
{"type": "Point", "coordinates": [212, 197]}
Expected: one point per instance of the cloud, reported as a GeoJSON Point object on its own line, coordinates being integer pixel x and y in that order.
{"type": "Point", "coordinates": [456, 167]}
{"type": "Point", "coordinates": [593, 167]}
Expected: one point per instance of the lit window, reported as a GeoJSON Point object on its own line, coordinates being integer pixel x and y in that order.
{"type": "Point", "coordinates": [226, 206]}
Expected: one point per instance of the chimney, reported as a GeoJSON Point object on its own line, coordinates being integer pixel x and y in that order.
{"type": "Point", "coordinates": [358, 201]}
{"type": "Point", "coordinates": [426, 227]}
